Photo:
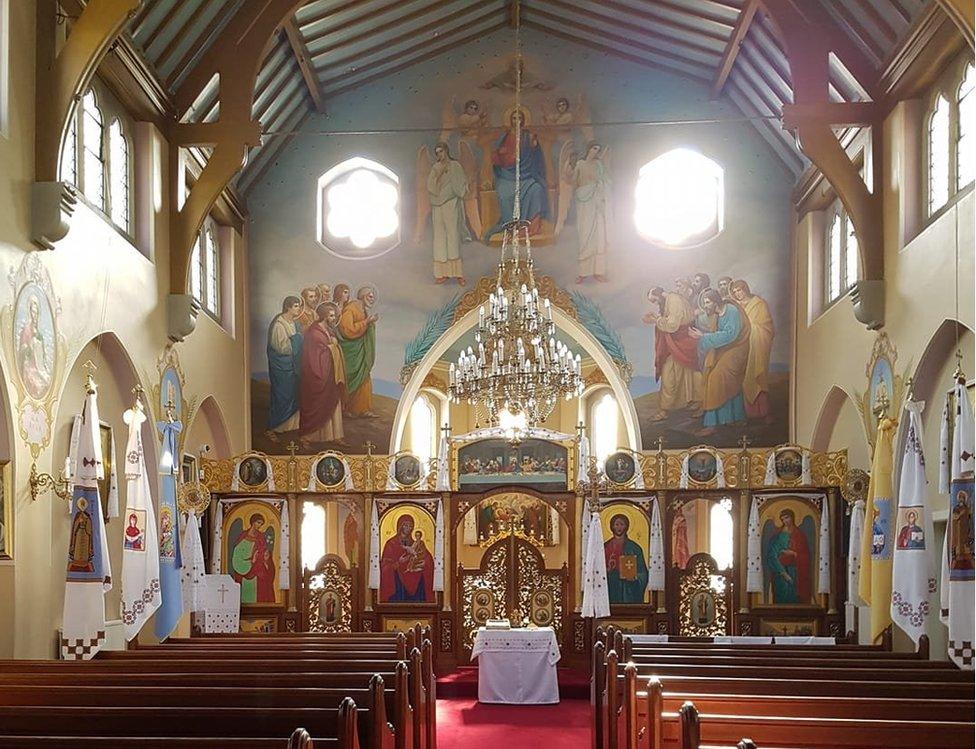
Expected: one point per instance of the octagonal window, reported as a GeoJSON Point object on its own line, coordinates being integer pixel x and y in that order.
{"type": "Point", "coordinates": [680, 199]}
{"type": "Point", "coordinates": [359, 209]}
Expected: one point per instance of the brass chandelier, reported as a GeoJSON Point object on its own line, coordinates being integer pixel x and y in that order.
{"type": "Point", "coordinates": [519, 365]}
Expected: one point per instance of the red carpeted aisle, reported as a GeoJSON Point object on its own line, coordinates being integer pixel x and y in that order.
{"type": "Point", "coordinates": [464, 723]}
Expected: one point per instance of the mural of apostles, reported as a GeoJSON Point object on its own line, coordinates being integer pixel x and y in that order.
{"type": "Point", "coordinates": [712, 351]}
{"type": "Point", "coordinates": [626, 564]}
{"type": "Point", "coordinates": [788, 550]}
{"type": "Point", "coordinates": [465, 182]}
{"type": "Point", "coordinates": [406, 565]}
{"type": "Point", "coordinates": [321, 349]}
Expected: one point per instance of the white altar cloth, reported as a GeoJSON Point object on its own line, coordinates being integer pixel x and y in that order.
{"type": "Point", "coordinates": [517, 666]}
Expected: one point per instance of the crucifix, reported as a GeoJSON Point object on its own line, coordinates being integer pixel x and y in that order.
{"type": "Point", "coordinates": [223, 590]}
{"type": "Point", "coordinates": [744, 442]}
{"type": "Point", "coordinates": [369, 464]}
{"type": "Point", "coordinates": [90, 369]}
{"type": "Point", "coordinates": [292, 448]}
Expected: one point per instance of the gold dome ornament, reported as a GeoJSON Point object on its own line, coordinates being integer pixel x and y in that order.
{"type": "Point", "coordinates": [193, 497]}
{"type": "Point", "coordinates": [855, 486]}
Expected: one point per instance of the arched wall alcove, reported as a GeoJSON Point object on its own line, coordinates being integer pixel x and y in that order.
{"type": "Point", "coordinates": [839, 425]}
{"type": "Point", "coordinates": [208, 427]}
{"type": "Point", "coordinates": [931, 379]}
{"type": "Point", "coordinates": [567, 325]}
{"type": "Point", "coordinates": [115, 376]}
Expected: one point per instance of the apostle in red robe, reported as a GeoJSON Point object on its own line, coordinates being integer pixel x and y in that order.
{"type": "Point", "coordinates": [675, 352]}
{"type": "Point", "coordinates": [406, 567]}
{"type": "Point", "coordinates": [322, 380]}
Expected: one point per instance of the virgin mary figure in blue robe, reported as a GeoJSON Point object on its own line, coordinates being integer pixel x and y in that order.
{"type": "Point", "coordinates": [533, 191]}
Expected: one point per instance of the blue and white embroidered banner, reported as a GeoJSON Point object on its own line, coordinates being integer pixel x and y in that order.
{"type": "Point", "coordinates": [170, 559]}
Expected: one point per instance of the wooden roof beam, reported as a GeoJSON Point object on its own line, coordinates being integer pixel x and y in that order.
{"type": "Point", "coordinates": [963, 14]}
{"type": "Point", "coordinates": [732, 48]}
{"type": "Point", "coordinates": [514, 11]}
{"type": "Point", "coordinates": [629, 41]}
{"type": "Point", "coordinates": [63, 75]}
{"type": "Point", "coordinates": [406, 61]}
{"type": "Point", "coordinates": [633, 30]}
{"type": "Point", "coordinates": [298, 47]}
{"type": "Point", "coordinates": [656, 64]}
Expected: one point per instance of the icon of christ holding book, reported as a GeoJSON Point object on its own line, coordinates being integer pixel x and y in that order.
{"type": "Point", "coordinates": [626, 567]}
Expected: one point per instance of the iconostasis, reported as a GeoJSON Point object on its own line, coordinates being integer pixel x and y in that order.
{"type": "Point", "coordinates": [698, 542]}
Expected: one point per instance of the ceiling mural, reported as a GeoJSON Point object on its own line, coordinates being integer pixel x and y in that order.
{"type": "Point", "coordinates": [701, 334]}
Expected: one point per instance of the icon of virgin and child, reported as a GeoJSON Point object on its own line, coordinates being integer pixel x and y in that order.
{"type": "Point", "coordinates": [406, 566]}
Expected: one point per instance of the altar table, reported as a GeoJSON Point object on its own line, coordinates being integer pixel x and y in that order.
{"type": "Point", "coordinates": [517, 666]}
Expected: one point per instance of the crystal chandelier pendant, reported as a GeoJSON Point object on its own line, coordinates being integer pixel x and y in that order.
{"type": "Point", "coordinates": [519, 366]}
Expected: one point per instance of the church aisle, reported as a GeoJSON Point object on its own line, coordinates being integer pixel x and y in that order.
{"type": "Point", "coordinates": [464, 722]}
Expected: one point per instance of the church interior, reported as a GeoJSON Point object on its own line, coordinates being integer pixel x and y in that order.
{"type": "Point", "coordinates": [483, 372]}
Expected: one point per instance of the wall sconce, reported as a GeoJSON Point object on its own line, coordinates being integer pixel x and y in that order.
{"type": "Point", "coordinates": [41, 482]}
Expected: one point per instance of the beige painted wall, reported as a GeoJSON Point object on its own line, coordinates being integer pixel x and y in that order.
{"type": "Point", "coordinates": [922, 260]}
{"type": "Point", "coordinates": [103, 284]}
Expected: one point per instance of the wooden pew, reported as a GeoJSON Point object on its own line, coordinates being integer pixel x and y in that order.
{"type": "Point", "coordinates": [647, 713]}
{"type": "Point", "coordinates": [410, 723]}
{"type": "Point", "coordinates": [764, 682]}
{"type": "Point", "coordinates": [346, 738]}
{"type": "Point", "coordinates": [810, 733]}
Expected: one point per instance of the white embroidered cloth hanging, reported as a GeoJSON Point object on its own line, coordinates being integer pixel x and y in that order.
{"type": "Point", "coordinates": [439, 547]}
{"type": "Point", "coordinates": [596, 600]}
{"type": "Point", "coordinates": [913, 563]}
{"type": "Point", "coordinates": [655, 552]}
{"type": "Point", "coordinates": [957, 568]}
{"type": "Point", "coordinates": [683, 480]}
{"type": "Point", "coordinates": [218, 539]}
{"type": "Point", "coordinates": [193, 572]}
{"type": "Point", "coordinates": [89, 571]}
{"type": "Point", "coordinates": [443, 483]}
{"type": "Point", "coordinates": [945, 464]}
{"type": "Point", "coordinates": [113, 482]}
{"type": "Point", "coordinates": [754, 573]}
{"type": "Point", "coordinates": [374, 549]}
{"type": "Point", "coordinates": [771, 479]}
{"type": "Point", "coordinates": [823, 549]}
{"type": "Point", "coordinates": [854, 554]}
{"type": "Point", "coordinates": [141, 594]}
{"type": "Point", "coordinates": [284, 562]}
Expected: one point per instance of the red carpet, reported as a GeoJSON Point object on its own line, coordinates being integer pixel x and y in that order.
{"type": "Point", "coordinates": [467, 724]}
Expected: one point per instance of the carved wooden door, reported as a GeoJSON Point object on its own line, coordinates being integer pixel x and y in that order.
{"type": "Point", "coordinates": [512, 583]}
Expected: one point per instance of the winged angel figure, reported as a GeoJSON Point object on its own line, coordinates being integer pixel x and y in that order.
{"type": "Point", "coordinates": [449, 181]}
{"type": "Point", "coordinates": [589, 177]}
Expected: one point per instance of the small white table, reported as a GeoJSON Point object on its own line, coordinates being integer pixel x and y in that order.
{"type": "Point", "coordinates": [517, 666]}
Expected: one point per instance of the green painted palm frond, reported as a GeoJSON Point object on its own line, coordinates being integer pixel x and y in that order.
{"type": "Point", "coordinates": [591, 317]}
{"type": "Point", "coordinates": [436, 325]}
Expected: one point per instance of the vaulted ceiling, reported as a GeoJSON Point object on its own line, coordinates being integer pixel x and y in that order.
{"type": "Point", "coordinates": [331, 46]}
